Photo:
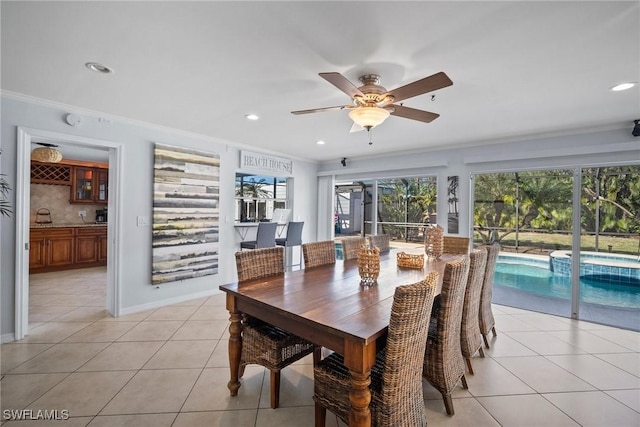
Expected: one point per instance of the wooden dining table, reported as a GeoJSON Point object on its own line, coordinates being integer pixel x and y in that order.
{"type": "Point", "coordinates": [328, 306]}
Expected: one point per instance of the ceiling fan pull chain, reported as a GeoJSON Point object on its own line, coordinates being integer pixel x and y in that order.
{"type": "Point", "coordinates": [370, 142]}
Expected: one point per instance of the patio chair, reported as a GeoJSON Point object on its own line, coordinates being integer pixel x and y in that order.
{"type": "Point", "coordinates": [470, 341]}
{"type": "Point", "coordinates": [319, 253]}
{"type": "Point", "coordinates": [443, 363]}
{"type": "Point", "coordinates": [485, 319]}
{"type": "Point", "coordinates": [264, 344]}
{"type": "Point", "coordinates": [396, 384]}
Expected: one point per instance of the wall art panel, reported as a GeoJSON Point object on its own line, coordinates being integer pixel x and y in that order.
{"type": "Point", "coordinates": [186, 213]}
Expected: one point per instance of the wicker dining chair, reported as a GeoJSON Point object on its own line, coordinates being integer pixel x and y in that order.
{"type": "Point", "coordinates": [485, 316]}
{"type": "Point", "coordinates": [455, 245]}
{"type": "Point", "coordinates": [443, 363]}
{"type": "Point", "coordinates": [351, 246]}
{"type": "Point", "coordinates": [381, 241]}
{"type": "Point", "coordinates": [396, 383]}
{"type": "Point", "coordinates": [319, 253]}
{"type": "Point", "coordinates": [470, 341]}
{"type": "Point", "coordinates": [264, 344]}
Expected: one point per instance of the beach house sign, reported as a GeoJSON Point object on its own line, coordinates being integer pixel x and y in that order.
{"type": "Point", "coordinates": [266, 164]}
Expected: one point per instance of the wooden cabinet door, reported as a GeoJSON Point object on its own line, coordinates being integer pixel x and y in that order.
{"type": "Point", "coordinates": [86, 249]}
{"type": "Point", "coordinates": [102, 186]}
{"type": "Point", "coordinates": [102, 247]}
{"type": "Point", "coordinates": [60, 250]}
{"type": "Point", "coordinates": [37, 252]}
{"type": "Point", "coordinates": [82, 186]}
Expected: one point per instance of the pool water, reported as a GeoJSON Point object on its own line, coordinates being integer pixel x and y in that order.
{"type": "Point", "coordinates": [535, 277]}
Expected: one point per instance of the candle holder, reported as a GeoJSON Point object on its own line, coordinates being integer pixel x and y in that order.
{"type": "Point", "coordinates": [369, 264]}
{"type": "Point", "coordinates": [433, 241]}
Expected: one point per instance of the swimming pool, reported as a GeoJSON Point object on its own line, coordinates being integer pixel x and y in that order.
{"type": "Point", "coordinates": [532, 274]}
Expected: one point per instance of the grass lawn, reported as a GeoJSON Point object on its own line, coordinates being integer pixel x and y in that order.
{"type": "Point", "coordinates": [544, 243]}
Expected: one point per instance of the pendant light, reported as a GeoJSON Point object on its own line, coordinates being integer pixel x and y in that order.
{"type": "Point", "coordinates": [47, 153]}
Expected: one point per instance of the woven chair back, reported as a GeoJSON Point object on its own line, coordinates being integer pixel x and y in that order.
{"type": "Point", "coordinates": [400, 401]}
{"type": "Point", "coordinates": [486, 318]}
{"type": "Point", "coordinates": [470, 340]}
{"type": "Point", "coordinates": [351, 246]}
{"type": "Point", "coordinates": [381, 241]}
{"type": "Point", "coordinates": [443, 364]}
{"type": "Point", "coordinates": [319, 253]}
{"type": "Point", "coordinates": [455, 245]}
{"type": "Point", "coordinates": [259, 263]}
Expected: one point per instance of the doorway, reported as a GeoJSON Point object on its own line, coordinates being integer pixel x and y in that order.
{"type": "Point", "coordinates": [26, 137]}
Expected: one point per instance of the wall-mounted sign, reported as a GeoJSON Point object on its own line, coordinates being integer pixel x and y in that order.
{"type": "Point", "coordinates": [266, 164]}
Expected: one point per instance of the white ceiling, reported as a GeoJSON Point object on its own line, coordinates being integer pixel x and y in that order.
{"type": "Point", "coordinates": [520, 69]}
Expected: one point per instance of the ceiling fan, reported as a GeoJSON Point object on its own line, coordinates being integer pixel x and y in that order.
{"type": "Point", "coordinates": [372, 103]}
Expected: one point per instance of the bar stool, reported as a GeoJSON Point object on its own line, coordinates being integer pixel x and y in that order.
{"type": "Point", "coordinates": [293, 238]}
{"type": "Point", "coordinates": [265, 237]}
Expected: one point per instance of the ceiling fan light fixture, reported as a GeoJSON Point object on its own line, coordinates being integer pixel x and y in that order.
{"type": "Point", "coordinates": [46, 154]}
{"type": "Point", "coordinates": [368, 117]}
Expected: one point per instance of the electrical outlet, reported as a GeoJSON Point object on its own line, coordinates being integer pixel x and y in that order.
{"type": "Point", "coordinates": [82, 213]}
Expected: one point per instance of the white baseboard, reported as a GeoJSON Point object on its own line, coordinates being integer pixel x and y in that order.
{"type": "Point", "coordinates": [162, 303]}
{"type": "Point", "coordinates": [5, 338]}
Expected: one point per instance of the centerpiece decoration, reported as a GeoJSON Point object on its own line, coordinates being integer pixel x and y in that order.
{"type": "Point", "coordinates": [369, 263]}
{"type": "Point", "coordinates": [410, 261]}
{"type": "Point", "coordinates": [433, 241]}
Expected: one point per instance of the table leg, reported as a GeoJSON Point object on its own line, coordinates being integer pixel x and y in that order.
{"type": "Point", "coordinates": [360, 396]}
{"type": "Point", "coordinates": [235, 349]}
{"type": "Point", "coordinates": [360, 358]}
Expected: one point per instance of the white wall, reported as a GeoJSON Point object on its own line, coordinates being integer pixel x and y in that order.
{"type": "Point", "coordinates": [598, 148]}
{"type": "Point", "coordinates": [137, 175]}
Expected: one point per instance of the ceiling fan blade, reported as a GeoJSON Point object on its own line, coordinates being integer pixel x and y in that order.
{"type": "Point", "coordinates": [319, 110]}
{"type": "Point", "coordinates": [413, 114]}
{"type": "Point", "coordinates": [355, 128]}
{"type": "Point", "coordinates": [428, 84]}
{"type": "Point", "coordinates": [341, 82]}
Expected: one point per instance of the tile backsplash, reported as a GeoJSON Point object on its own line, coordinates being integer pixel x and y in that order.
{"type": "Point", "coordinates": [56, 199]}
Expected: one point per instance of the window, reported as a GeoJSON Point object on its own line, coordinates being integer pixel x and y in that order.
{"type": "Point", "coordinates": [257, 196]}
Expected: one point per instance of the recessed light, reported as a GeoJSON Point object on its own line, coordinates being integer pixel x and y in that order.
{"type": "Point", "coordinates": [99, 68]}
{"type": "Point", "coordinates": [623, 86]}
{"type": "Point", "coordinates": [320, 142]}
{"type": "Point", "coordinates": [252, 117]}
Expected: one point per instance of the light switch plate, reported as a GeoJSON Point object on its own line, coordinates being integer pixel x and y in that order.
{"type": "Point", "coordinates": [143, 221]}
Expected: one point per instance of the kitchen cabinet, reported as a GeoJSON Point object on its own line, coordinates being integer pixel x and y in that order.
{"type": "Point", "coordinates": [51, 248]}
{"type": "Point", "coordinates": [66, 248]}
{"type": "Point", "coordinates": [89, 185]}
{"type": "Point", "coordinates": [91, 245]}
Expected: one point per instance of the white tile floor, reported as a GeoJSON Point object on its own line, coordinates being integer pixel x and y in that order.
{"type": "Point", "coordinates": [169, 367]}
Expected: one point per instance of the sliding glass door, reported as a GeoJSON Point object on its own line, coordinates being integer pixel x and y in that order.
{"type": "Point", "coordinates": [530, 214]}
{"type": "Point", "coordinates": [610, 246]}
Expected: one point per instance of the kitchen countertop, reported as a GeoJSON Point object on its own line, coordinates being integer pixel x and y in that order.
{"type": "Point", "coordinates": [63, 225]}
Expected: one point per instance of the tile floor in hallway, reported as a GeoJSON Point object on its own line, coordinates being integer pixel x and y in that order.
{"type": "Point", "coordinates": [169, 367]}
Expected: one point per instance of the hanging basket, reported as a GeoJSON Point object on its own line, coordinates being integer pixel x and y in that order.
{"type": "Point", "coordinates": [369, 265]}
